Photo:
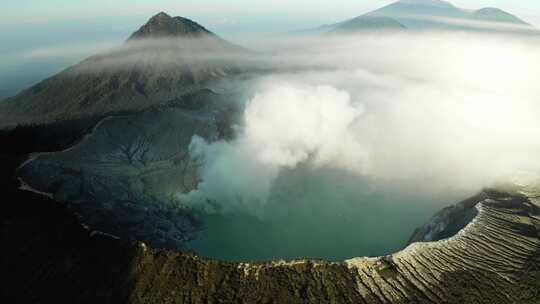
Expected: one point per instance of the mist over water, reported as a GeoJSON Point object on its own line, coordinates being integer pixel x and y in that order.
{"type": "Point", "coordinates": [355, 141]}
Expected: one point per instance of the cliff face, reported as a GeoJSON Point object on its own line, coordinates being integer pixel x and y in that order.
{"type": "Point", "coordinates": [494, 259]}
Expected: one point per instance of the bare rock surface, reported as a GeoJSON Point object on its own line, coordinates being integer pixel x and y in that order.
{"type": "Point", "coordinates": [123, 176]}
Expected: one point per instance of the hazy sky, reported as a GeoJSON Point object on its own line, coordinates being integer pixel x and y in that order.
{"type": "Point", "coordinates": [41, 37]}
{"type": "Point", "coordinates": [216, 12]}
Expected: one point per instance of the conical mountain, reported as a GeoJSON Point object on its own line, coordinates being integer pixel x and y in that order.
{"type": "Point", "coordinates": [164, 60]}
{"type": "Point", "coordinates": [162, 25]}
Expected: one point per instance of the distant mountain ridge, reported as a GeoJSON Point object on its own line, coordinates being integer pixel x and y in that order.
{"type": "Point", "coordinates": [368, 23]}
{"type": "Point", "coordinates": [436, 3]}
{"type": "Point", "coordinates": [496, 15]}
{"type": "Point", "coordinates": [424, 14]}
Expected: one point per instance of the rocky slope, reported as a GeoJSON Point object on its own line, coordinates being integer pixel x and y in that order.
{"type": "Point", "coordinates": [165, 60]}
{"type": "Point", "coordinates": [123, 176]}
{"type": "Point", "coordinates": [163, 25]}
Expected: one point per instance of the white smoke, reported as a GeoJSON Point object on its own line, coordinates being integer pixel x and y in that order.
{"type": "Point", "coordinates": [316, 124]}
{"type": "Point", "coordinates": [437, 110]}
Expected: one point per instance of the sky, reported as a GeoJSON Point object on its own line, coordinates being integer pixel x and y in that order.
{"type": "Point", "coordinates": [33, 30]}
{"type": "Point", "coordinates": [223, 12]}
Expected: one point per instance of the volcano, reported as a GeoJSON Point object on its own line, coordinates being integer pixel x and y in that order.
{"type": "Point", "coordinates": [162, 62]}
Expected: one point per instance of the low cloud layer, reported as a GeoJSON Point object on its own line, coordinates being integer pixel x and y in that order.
{"type": "Point", "coordinates": [440, 110]}
{"type": "Point", "coordinates": [63, 51]}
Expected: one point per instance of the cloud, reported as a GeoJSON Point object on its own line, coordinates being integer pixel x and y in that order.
{"type": "Point", "coordinates": [435, 110]}
{"type": "Point", "coordinates": [66, 51]}
{"type": "Point", "coordinates": [475, 24]}
{"type": "Point", "coordinates": [315, 127]}
{"type": "Point", "coordinates": [159, 53]}
{"type": "Point", "coordinates": [315, 124]}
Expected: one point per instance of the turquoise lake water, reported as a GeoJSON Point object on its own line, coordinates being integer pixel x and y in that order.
{"type": "Point", "coordinates": [329, 216]}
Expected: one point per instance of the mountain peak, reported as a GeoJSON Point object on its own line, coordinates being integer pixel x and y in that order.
{"type": "Point", "coordinates": [496, 15]}
{"type": "Point", "coordinates": [161, 15]}
{"type": "Point", "coordinates": [367, 23]}
{"type": "Point", "coordinates": [163, 25]}
{"type": "Point", "coordinates": [436, 3]}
